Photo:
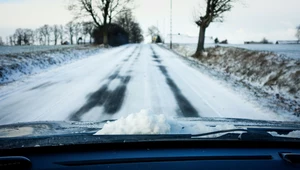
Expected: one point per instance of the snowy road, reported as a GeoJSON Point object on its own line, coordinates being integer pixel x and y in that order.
{"type": "Point", "coordinates": [119, 82]}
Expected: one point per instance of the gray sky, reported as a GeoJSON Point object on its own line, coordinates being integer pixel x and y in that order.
{"type": "Point", "coordinates": [250, 20]}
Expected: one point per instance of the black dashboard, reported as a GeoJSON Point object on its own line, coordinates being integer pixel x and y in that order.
{"type": "Point", "coordinates": [157, 155]}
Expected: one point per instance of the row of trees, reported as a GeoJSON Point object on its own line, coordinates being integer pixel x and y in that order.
{"type": "Point", "coordinates": [102, 14]}
{"type": "Point", "coordinates": [123, 30]}
{"type": "Point", "coordinates": [53, 35]}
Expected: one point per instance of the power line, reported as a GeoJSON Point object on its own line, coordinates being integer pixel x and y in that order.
{"type": "Point", "coordinates": [171, 6]}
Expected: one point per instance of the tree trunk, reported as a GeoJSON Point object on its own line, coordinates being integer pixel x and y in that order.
{"type": "Point", "coordinates": [105, 36]}
{"type": "Point", "coordinates": [201, 41]}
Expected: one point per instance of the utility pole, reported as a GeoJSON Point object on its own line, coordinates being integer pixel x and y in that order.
{"type": "Point", "coordinates": [171, 6]}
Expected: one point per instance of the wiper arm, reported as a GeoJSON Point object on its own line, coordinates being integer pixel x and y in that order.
{"type": "Point", "coordinates": [257, 134]}
{"type": "Point", "coordinates": [219, 132]}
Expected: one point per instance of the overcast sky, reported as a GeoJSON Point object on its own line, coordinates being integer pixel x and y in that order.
{"type": "Point", "coordinates": [249, 20]}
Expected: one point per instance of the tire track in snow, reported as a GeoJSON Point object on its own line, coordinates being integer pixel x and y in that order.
{"type": "Point", "coordinates": [184, 105]}
{"type": "Point", "coordinates": [111, 100]}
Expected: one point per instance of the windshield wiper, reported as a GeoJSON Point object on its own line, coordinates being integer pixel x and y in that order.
{"type": "Point", "coordinates": [257, 134]}
{"type": "Point", "coordinates": [219, 132]}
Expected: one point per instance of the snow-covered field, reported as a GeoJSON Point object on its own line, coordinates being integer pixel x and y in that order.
{"type": "Point", "coordinates": [122, 81]}
{"type": "Point", "coordinates": [271, 75]}
{"type": "Point", "coordinates": [289, 50]}
{"type": "Point", "coordinates": [17, 62]}
{"type": "Point", "coordinates": [32, 48]}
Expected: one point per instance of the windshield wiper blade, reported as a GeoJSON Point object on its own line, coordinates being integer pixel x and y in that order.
{"type": "Point", "coordinates": [252, 134]}
{"type": "Point", "coordinates": [219, 132]}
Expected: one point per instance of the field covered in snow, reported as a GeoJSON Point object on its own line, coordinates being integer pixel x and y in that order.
{"type": "Point", "coordinates": [19, 61]}
{"type": "Point", "coordinates": [290, 51]}
{"type": "Point", "coordinates": [33, 48]}
{"type": "Point", "coordinates": [271, 76]}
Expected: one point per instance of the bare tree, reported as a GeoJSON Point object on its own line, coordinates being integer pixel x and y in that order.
{"type": "Point", "coordinates": [214, 13]}
{"type": "Point", "coordinates": [77, 31]}
{"type": "Point", "coordinates": [153, 32]}
{"type": "Point", "coordinates": [136, 33]}
{"type": "Point", "coordinates": [1, 41]}
{"type": "Point", "coordinates": [61, 33]}
{"type": "Point", "coordinates": [298, 34]}
{"type": "Point", "coordinates": [45, 32]}
{"type": "Point", "coordinates": [28, 37]}
{"type": "Point", "coordinates": [101, 11]}
{"type": "Point", "coordinates": [88, 28]}
{"type": "Point", "coordinates": [128, 23]}
{"type": "Point", "coordinates": [7, 40]}
{"type": "Point", "coordinates": [117, 7]}
{"type": "Point", "coordinates": [40, 37]}
{"type": "Point", "coordinates": [70, 31]}
{"type": "Point", "coordinates": [265, 41]}
{"type": "Point", "coordinates": [22, 37]}
{"type": "Point", "coordinates": [11, 41]}
{"type": "Point", "coordinates": [125, 19]}
{"type": "Point", "coordinates": [56, 33]}
{"type": "Point", "coordinates": [15, 39]}
{"type": "Point", "coordinates": [19, 33]}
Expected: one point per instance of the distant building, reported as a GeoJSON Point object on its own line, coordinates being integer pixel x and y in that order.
{"type": "Point", "coordinates": [224, 42]}
{"type": "Point", "coordinates": [288, 42]}
{"type": "Point", "coordinates": [254, 42]}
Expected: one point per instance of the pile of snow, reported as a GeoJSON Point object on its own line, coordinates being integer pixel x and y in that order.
{"type": "Point", "coordinates": [146, 122]}
{"type": "Point", "coordinates": [14, 66]}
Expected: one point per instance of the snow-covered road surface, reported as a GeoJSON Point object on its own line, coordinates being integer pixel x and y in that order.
{"type": "Point", "coordinates": [119, 82]}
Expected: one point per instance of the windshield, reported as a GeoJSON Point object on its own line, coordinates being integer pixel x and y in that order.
{"type": "Point", "coordinates": [140, 67]}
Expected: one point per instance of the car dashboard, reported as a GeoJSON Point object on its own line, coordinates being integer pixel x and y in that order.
{"type": "Point", "coordinates": [158, 155]}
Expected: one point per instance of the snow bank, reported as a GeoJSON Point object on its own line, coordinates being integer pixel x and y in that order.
{"type": "Point", "coordinates": [146, 122]}
{"type": "Point", "coordinates": [14, 66]}
{"type": "Point", "coordinates": [272, 73]}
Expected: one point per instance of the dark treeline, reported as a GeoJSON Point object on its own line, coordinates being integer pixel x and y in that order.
{"type": "Point", "coordinates": [123, 30]}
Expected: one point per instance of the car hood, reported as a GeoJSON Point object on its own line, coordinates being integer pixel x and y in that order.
{"type": "Point", "coordinates": [51, 128]}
